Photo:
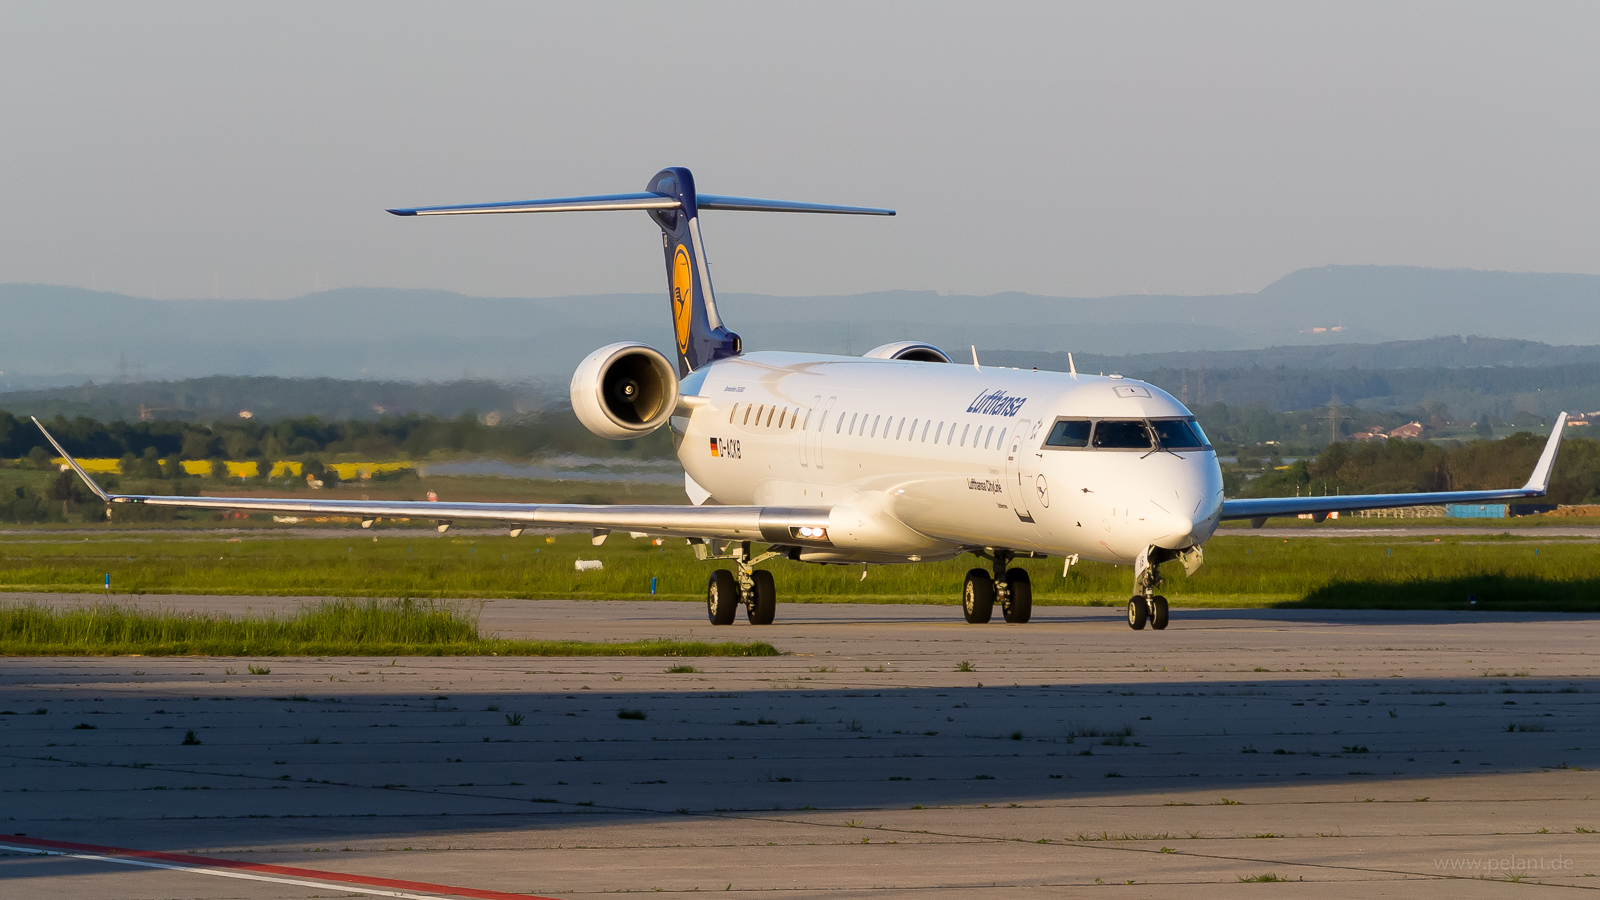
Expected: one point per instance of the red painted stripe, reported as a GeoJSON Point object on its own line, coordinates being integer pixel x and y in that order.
{"type": "Point", "coordinates": [212, 862]}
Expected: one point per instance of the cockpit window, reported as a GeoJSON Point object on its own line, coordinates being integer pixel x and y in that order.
{"type": "Point", "coordinates": [1178, 434]}
{"type": "Point", "coordinates": [1069, 433]}
{"type": "Point", "coordinates": [1119, 434]}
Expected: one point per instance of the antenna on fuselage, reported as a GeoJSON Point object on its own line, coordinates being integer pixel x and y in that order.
{"type": "Point", "coordinates": [1072, 367]}
{"type": "Point", "coordinates": [975, 357]}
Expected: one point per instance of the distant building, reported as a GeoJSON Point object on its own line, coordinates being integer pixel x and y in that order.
{"type": "Point", "coordinates": [1410, 430]}
{"type": "Point", "coordinates": [1365, 436]}
{"type": "Point", "coordinates": [246, 414]}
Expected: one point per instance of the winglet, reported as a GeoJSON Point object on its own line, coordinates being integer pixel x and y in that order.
{"type": "Point", "coordinates": [1539, 481]}
{"type": "Point", "coordinates": [71, 462]}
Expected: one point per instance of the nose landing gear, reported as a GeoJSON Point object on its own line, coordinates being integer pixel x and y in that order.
{"type": "Point", "coordinates": [1010, 587]}
{"type": "Point", "coordinates": [1150, 610]}
{"type": "Point", "coordinates": [1146, 606]}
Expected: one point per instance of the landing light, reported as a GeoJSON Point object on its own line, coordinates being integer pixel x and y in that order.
{"type": "Point", "coordinates": [817, 534]}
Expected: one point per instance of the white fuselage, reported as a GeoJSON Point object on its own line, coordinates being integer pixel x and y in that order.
{"type": "Point", "coordinates": [921, 460]}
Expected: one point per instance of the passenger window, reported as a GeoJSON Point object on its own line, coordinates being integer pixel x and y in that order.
{"type": "Point", "coordinates": [1001, 444]}
{"type": "Point", "coordinates": [898, 431]}
{"type": "Point", "coordinates": [964, 432]}
{"type": "Point", "coordinates": [746, 414]}
{"type": "Point", "coordinates": [1069, 433]}
{"type": "Point", "coordinates": [807, 424]}
{"type": "Point", "coordinates": [853, 418]}
{"type": "Point", "coordinates": [875, 422]}
{"type": "Point", "coordinates": [940, 433]}
{"type": "Point", "coordinates": [1177, 434]}
{"type": "Point", "coordinates": [839, 425]}
{"type": "Point", "coordinates": [770, 415]}
{"type": "Point", "coordinates": [1114, 434]}
{"type": "Point", "coordinates": [781, 414]}
{"type": "Point", "coordinates": [987, 439]}
{"type": "Point", "coordinates": [733, 412]}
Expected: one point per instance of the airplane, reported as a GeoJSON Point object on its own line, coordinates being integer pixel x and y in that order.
{"type": "Point", "coordinates": [901, 455]}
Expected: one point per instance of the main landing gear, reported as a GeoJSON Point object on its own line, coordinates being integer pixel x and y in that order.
{"type": "Point", "coordinates": [1008, 587]}
{"type": "Point", "coordinates": [751, 588]}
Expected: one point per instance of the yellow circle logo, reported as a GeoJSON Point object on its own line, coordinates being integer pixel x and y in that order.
{"type": "Point", "coordinates": [682, 296]}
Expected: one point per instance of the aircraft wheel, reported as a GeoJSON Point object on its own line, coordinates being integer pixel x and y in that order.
{"type": "Point", "coordinates": [722, 597]}
{"type": "Point", "coordinates": [1158, 612]}
{"type": "Point", "coordinates": [763, 606]}
{"type": "Point", "coordinates": [1138, 613]}
{"type": "Point", "coordinates": [977, 597]}
{"type": "Point", "coordinates": [1018, 607]}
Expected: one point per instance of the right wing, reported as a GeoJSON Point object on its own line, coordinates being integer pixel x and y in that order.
{"type": "Point", "coordinates": [795, 526]}
{"type": "Point", "coordinates": [1259, 509]}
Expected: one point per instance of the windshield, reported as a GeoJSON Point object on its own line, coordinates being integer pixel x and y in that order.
{"type": "Point", "coordinates": [1114, 434]}
{"type": "Point", "coordinates": [1177, 434]}
{"type": "Point", "coordinates": [1069, 433]}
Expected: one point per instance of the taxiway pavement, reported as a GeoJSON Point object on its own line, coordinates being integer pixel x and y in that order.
{"type": "Point", "coordinates": [893, 752]}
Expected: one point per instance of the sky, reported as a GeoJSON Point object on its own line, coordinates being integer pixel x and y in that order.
{"type": "Point", "coordinates": [195, 150]}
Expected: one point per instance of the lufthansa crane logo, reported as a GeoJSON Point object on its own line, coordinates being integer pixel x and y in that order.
{"type": "Point", "coordinates": [682, 296]}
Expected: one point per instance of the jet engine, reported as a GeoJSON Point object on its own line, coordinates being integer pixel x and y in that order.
{"type": "Point", "coordinates": [913, 351]}
{"type": "Point", "coordinates": [624, 391]}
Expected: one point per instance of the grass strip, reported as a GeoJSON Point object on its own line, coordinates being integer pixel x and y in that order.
{"type": "Point", "coordinates": [1487, 592]}
{"type": "Point", "coordinates": [332, 628]}
{"type": "Point", "coordinates": [1396, 571]}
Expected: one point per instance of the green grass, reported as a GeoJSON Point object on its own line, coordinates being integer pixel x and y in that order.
{"type": "Point", "coordinates": [1403, 571]}
{"type": "Point", "coordinates": [333, 628]}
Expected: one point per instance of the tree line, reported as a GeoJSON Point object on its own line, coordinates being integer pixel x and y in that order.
{"type": "Point", "coordinates": [391, 437]}
{"type": "Point", "coordinates": [1400, 466]}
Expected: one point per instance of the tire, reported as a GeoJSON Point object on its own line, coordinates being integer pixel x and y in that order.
{"type": "Point", "coordinates": [1018, 607]}
{"type": "Point", "coordinates": [977, 597]}
{"type": "Point", "coordinates": [722, 597]}
{"type": "Point", "coordinates": [763, 606]}
{"type": "Point", "coordinates": [1138, 613]}
{"type": "Point", "coordinates": [1158, 613]}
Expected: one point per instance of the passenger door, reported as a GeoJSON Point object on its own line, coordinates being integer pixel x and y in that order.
{"type": "Point", "coordinates": [1019, 470]}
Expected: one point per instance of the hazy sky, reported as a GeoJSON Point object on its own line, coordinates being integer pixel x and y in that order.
{"type": "Point", "coordinates": [248, 150]}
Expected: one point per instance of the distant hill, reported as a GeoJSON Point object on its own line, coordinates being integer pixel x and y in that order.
{"type": "Point", "coordinates": [1444, 352]}
{"type": "Point", "coordinates": [1468, 376]}
{"type": "Point", "coordinates": [67, 335]}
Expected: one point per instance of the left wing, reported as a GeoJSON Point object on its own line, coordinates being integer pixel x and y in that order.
{"type": "Point", "coordinates": [1260, 509]}
{"type": "Point", "coordinates": [797, 526]}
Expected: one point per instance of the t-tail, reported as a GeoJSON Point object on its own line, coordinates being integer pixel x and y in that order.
{"type": "Point", "coordinates": [673, 203]}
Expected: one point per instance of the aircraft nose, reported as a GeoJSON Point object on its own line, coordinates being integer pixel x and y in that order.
{"type": "Point", "coordinates": [1176, 531]}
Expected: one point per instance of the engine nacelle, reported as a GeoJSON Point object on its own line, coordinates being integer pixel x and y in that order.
{"type": "Point", "coordinates": [914, 351]}
{"type": "Point", "coordinates": [624, 391]}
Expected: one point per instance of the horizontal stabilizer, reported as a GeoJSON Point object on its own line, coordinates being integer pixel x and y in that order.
{"type": "Point", "coordinates": [752, 204]}
{"type": "Point", "coordinates": [559, 204]}
{"type": "Point", "coordinates": [604, 202]}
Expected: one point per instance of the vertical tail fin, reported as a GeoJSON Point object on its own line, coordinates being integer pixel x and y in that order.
{"type": "Point", "coordinates": [673, 203]}
{"type": "Point", "coordinates": [696, 327]}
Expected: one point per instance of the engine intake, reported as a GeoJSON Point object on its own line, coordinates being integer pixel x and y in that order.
{"type": "Point", "coordinates": [913, 351]}
{"type": "Point", "coordinates": [624, 391]}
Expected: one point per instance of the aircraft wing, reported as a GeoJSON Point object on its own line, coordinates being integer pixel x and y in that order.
{"type": "Point", "coordinates": [1263, 508]}
{"type": "Point", "coordinates": [769, 524]}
